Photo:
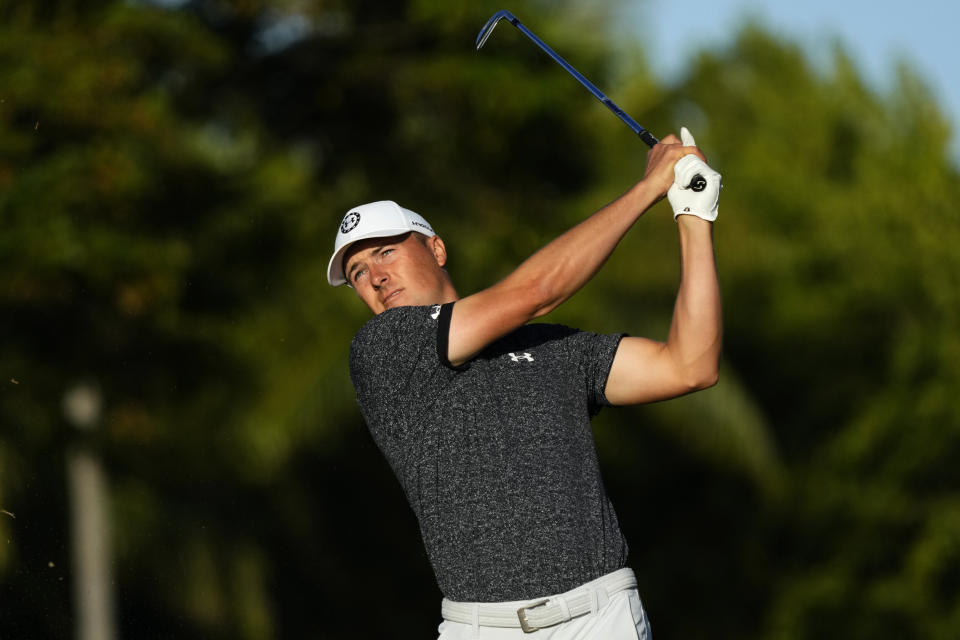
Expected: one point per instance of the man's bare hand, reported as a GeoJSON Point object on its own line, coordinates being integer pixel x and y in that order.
{"type": "Point", "coordinates": [659, 173]}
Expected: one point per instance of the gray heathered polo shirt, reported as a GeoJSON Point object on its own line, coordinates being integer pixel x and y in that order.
{"type": "Point", "coordinates": [496, 457]}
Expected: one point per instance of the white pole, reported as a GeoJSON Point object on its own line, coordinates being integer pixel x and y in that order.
{"type": "Point", "coordinates": [89, 519]}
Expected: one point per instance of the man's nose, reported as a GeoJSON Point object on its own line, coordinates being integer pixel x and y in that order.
{"type": "Point", "coordinates": [378, 275]}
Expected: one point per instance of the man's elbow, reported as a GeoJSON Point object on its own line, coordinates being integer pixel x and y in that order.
{"type": "Point", "coordinates": [710, 380]}
{"type": "Point", "coordinates": [702, 378]}
{"type": "Point", "coordinates": [542, 298]}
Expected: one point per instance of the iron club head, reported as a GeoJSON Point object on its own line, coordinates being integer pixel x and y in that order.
{"type": "Point", "coordinates": [491, 23]}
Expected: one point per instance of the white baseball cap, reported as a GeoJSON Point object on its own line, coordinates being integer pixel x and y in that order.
{"type": "Point", "coordinates": [374, 220]}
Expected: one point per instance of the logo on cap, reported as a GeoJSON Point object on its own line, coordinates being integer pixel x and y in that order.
{"type": "Point", "coordinates": [350, 222]}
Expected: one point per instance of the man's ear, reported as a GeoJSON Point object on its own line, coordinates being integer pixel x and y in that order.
{"type": "Point", "coordinates": [439, 250]}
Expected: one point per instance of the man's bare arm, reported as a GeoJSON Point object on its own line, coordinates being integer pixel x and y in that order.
{"type": "Point", "coordinates": [558, 270]}
{"type": "Point", "coordinates": [646, 370]}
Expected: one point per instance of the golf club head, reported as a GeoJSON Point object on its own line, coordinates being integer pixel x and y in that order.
{"type": "Point", "coordinates": [491, 23]}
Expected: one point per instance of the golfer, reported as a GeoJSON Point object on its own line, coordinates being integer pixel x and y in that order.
{"type": "Point", "coordinates": [485, 419]}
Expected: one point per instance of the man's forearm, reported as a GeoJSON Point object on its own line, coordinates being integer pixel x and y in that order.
{"type": "Point", "coordinates": [696, 331]}
{"type": "Point", "coordinates": [562, 267]}
{"type": "Point", "coordinates": [558, 270]}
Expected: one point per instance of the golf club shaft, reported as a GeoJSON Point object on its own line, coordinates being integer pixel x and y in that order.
{"type": "Point", "coordinates": [645, 135]}
{"type": "Point", "coordinates": [698, 183]}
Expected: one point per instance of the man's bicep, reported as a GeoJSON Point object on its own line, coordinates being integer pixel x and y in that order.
{"type": "Point", "coordinates": [643, 371]}
{"type": "Point", "coordinates": [483, 317]}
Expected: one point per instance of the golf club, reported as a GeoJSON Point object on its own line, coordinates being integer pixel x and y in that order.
{"type": "Point", "coordinates": [698, 183]}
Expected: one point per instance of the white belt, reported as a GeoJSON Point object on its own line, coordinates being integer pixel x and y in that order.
{"type": "Point", "coordinates": [531, 615]}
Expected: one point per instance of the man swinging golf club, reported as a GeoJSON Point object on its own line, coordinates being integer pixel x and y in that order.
{"type": "Point", "coordinates": [485, 419]}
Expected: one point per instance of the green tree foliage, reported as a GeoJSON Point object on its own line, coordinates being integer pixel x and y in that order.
{"type": "Point", "coordinates": [853, 232]}
{"type": "Point", "coordinates": [170, 180]}
{"type": "Point", "coordinates": [841, 286]}
{"type": "Point", "coordinates": [143, 226]}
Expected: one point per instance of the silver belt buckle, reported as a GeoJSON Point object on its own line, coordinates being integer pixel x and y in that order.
{"type": "Point", "coordinates": [522, 615]}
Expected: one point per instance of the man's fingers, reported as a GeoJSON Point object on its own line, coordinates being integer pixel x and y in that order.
{"type": "Point", "coordinates": [685, 139]}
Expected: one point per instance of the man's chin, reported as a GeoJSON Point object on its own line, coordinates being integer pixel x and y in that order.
{"type": "Point", "coordinates": [396, 301]}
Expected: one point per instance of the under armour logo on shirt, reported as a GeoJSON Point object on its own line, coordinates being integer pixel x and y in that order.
{"type": "Point", "coordinates": [435, 311]}
{"type": "Point", "coordinates": [524, 356]}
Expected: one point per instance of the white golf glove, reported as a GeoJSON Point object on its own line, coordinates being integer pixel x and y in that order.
{"type": "Point", "coordinates": [686, 201]}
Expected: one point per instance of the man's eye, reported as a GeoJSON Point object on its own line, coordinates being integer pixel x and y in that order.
{"type": "Point", "coordinates": [358, 273]}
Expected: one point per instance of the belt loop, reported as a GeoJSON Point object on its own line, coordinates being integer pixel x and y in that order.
{"type": "Point", "coordinates": [564, 607]}
{"type": "Point", "coordinates": [594, 604]}
{"type": "Point", "coordinates": [476, 620]}
{"type": "Point", "coordinates": [603, 597]}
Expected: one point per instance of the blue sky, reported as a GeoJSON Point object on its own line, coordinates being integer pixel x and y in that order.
{"type": "Point", "coordinates": [878, 34]}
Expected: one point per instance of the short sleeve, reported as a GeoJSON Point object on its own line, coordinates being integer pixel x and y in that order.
{"type": "Point", "coordinates": [595, 353]}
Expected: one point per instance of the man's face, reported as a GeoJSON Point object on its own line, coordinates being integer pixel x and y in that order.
{"type": "Point", "coordinates": [398, 271]}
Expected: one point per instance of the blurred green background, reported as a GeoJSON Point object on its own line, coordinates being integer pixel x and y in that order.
{"type": "Point", "coordinates": [171, 178]}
